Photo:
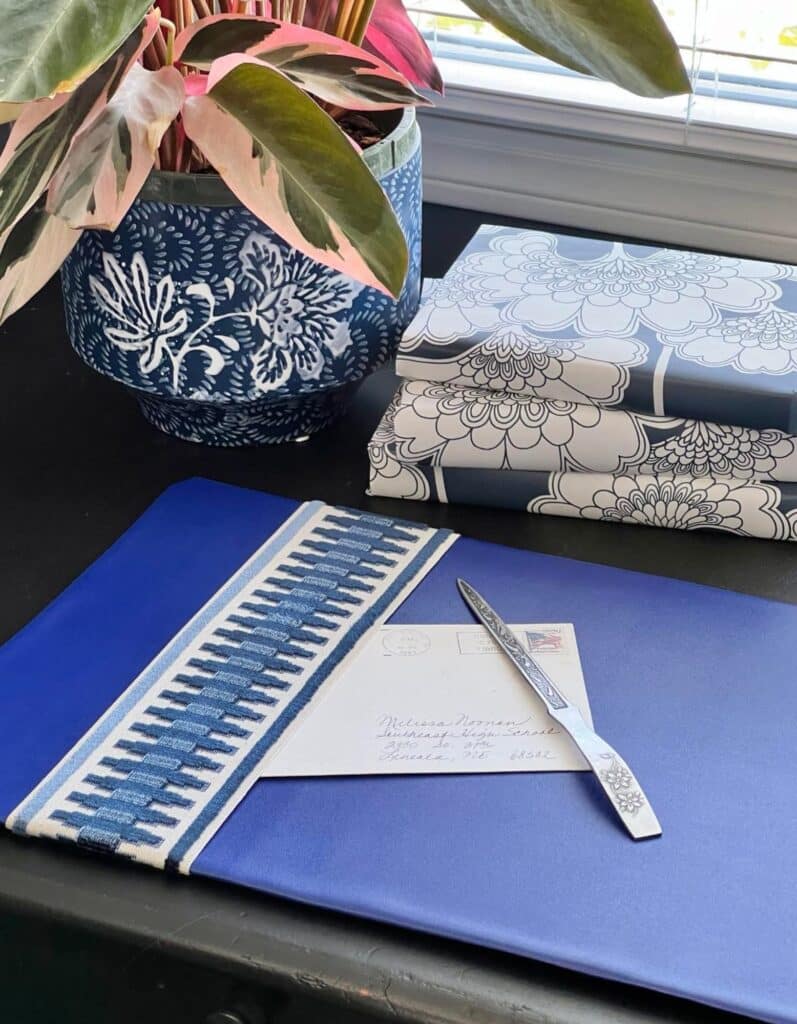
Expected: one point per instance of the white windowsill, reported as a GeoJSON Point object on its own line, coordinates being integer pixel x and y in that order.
{"type": "Point", "coordinates": [580, 153]}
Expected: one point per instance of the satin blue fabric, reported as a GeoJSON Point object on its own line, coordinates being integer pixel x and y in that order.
{"type": "Point", "coordinates": [694, 686]}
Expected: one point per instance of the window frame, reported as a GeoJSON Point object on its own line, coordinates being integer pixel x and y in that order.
{"type": "Point", "coordinates": [565, 150]}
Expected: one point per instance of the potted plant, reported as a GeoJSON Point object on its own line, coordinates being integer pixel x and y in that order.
{"type": "Point", "coordinates": [233, 186]}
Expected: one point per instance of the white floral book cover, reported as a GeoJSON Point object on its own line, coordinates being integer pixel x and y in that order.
{"type": "Point", "coordinates": [643, 495]}
{"type": "Point", "coordinates": [475, 428]}
{"type": "Point", "coordinates": [601, 323]}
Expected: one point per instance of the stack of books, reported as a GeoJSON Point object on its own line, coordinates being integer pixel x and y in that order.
{"type": "Point", "coordinates": [613, 381]}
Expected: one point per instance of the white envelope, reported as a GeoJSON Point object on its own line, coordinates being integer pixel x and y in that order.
{"type": "Point", "coordinates": [428, 699]}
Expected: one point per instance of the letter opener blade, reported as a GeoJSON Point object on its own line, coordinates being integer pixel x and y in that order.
{"type": "Point", "coordinates": [615, 777]}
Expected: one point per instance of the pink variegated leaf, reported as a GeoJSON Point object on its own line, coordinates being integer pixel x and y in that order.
{"type": "Point", "coordinates": [111, 157]}
{"type": "Point", "coordinates": [31, 253]}
{"type": "Point", "coordinates": [330, 68]}
{"type": "Point", "coordinates": [292, 166]}
{"type": "Point", "coordinates": [196, 84]}
{"type": "Point", "coordinates": [393, 37]}
{"type": "Point", "coordinates": [30, 157]}
{"type": "Point", "coordinates": [335, 70]}
{"type": "Point", "coordinates": [209, 39]}
{"type": "Point", "coordinates": [43, 132]}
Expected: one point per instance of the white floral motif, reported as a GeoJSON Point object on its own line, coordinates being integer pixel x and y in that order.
{"type": "Point", "coordinates": [388, 476]}
{"type": "Point", "coordinates": [592, 372]}
{"type": "Point", "coordinates": [296, 304]}
{"type": "Point", "coordinates": [630, 801]}
{"type": "Point", "coordinates": [455, 309]}
{"type": "Point", "coordinates": [664, 290]}
{"type": "Point", "coordinates": [684, 503]}
{"type": "Point", "coordinates": [464, 427]}
{"type": "Point", "coordinates": [617, 776]}
{"type": "Point", "coordinates": [147, 322]}
{"type": "Point", "coordinates": [766, 343]}
{"type": "Point", "coordinates": [708, 448]}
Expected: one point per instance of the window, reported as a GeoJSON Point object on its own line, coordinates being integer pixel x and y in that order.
{"type": "Point", "coordinates": [517, 135]}
{"type": "Point", "coordinates": [742, 58]}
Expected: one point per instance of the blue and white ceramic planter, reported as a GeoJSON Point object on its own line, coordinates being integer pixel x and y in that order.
{"type": "Point", "coordinates": [225, 334]}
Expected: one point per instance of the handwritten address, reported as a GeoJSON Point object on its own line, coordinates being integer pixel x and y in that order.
{"type": "Point", "coordinates": [463, 738]}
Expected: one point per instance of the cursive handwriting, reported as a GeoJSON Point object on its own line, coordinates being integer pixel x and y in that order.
{"type": "Point", "coordinates": [462, 738]}
{"type": "Point", "coordinates": [461, 726]}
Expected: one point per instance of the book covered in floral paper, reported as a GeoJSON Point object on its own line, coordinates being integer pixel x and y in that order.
{"type": "Point", "coordinates": [476, 428]}
{"type": "Point", "coordinates": [539, 376]}
{"type": "Point", "coordinates": [612, 324]}
{"type": "Point", "coordinates": [688, 496]}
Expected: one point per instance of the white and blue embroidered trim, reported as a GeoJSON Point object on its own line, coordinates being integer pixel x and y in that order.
{"type": "Point", "coordinates": [158, 774]}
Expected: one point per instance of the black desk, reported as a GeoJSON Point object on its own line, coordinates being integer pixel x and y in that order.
{"type": "Point", "coordinates": [87, 940]}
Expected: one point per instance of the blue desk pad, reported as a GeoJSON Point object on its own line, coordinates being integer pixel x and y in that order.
{"type": "Point", "coordinates": [694, 685]}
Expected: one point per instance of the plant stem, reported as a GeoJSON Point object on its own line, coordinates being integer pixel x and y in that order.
{"type": "Point", "coordinates": [167, 149]}
{"type": "Point", "coordinates": [149, 58]}
{"type": "Point", "coordinates": [202, 9]}
{"type": "Point", "coordinates": [171, 31]}
{"type": "Point", "coordinates": [323, 16]}
{"type": "Point", "coordinates": [364, 16]}
{"type": "Point", "coordinates": [354, 18]}
{"type": "Point", "coordinates": [159, 45]}
{"type": "Point", "coordinates": [299, 13]}
{"type": "Point", "coordinates": [185, 154]}
{"type": "Point", "coordinates": [342, 18]}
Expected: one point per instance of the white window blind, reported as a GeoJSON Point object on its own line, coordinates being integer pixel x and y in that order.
{"type": "Point", "coordinates": [741, 55]}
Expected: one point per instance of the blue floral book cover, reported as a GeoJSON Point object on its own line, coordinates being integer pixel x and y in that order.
{"type": "Point", "coordinates": [601, 323]}
{"type": "Point", "coordinates": [448, 444]}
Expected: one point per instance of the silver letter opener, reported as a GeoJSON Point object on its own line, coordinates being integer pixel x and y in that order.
{"type": "Point", "coordinates": [614, 775]}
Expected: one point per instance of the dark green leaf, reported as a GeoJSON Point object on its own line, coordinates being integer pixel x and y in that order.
{"type": "Point", "coordinates": [211, 38]}
{"type": "Point", "coordinates": [35, 150]}
{"type": "Point", "coordinates": [305, 178]}
{"type": "Point", "coordinates": [622, 41]}
{"type": "Point", "coordinates": [50, 46]}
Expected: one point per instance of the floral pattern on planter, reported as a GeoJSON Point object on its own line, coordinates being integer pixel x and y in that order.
{"type": "Point", "coordinates": [208, 310]}
{"type": "Point", "coordinates": [221, 424]}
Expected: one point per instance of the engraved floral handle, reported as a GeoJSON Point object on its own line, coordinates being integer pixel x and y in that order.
{"type": "Point", "coordinates": [615, 777]}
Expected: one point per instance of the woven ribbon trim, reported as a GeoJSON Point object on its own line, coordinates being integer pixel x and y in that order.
{"type": "Point", "coordinates": [157, 775]}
